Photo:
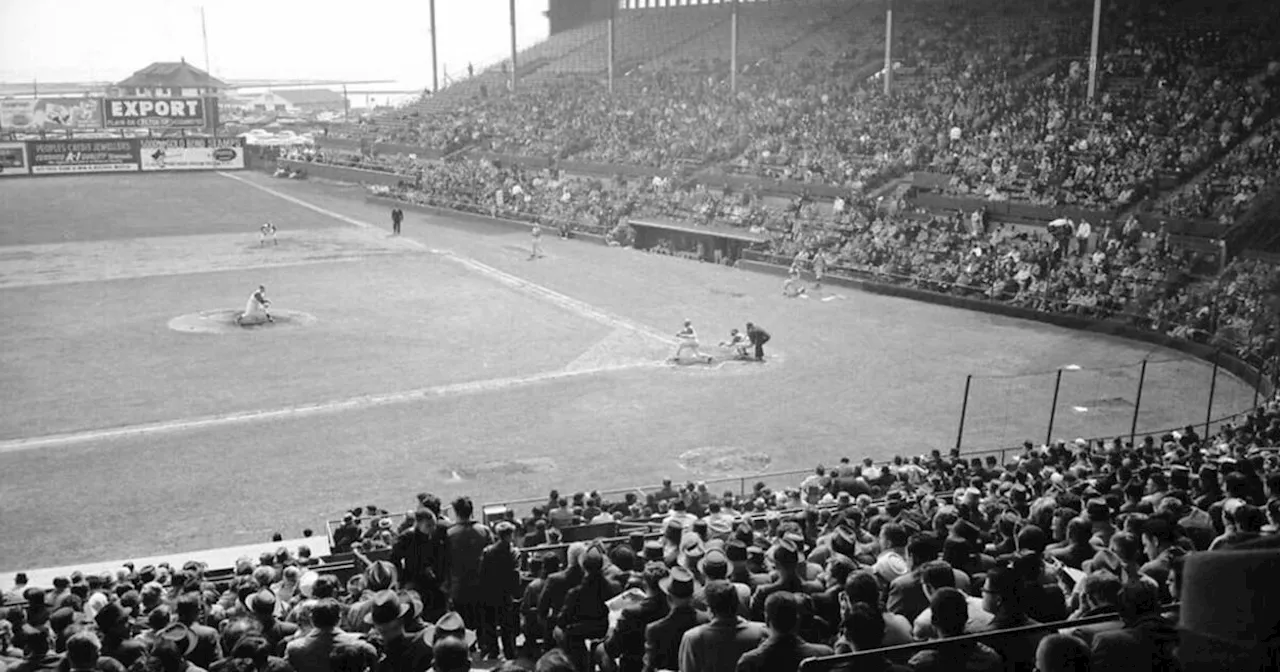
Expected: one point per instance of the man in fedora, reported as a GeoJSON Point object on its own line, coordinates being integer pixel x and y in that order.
{"type": "Point", "coordinates": [36, 656]}
{"type": "Point", "coordinates": [451, 624]}
{"type": "Point", "coordinates": [207, 649]}
{"type": "Point", "coordinates": [117, 639]}
{"type": "Point", "coordinates": [717, 645]}
{"type": "Point", "coordinates": [714, 566]}
{"type": "Point", "coordinates": [262, 605]}
{"type": "Point", "coordinates": [662, 637]}
{"type": "Point", "coordinates": [401, 651]}
{"type": "Point", "coordinates": [500, 570]}
{"type": "Point", "coordinates": [311, 651]}
{"type": "Point", "coordinates": [786, 559]}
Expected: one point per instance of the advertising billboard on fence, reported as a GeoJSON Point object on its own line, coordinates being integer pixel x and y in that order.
{"type": "Point", "coordinates": [192, 153]}
{"type": "Point", "coordinates": [13, 159]}
{"type": "Point", "coordinates": [160, 112]}
{"type": "Point", "coordinates": [50, 114]}
{"type": "Point", "coordinates": [83, 156]}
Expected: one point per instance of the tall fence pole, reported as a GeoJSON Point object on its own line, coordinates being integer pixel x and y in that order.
{"type": "Point", "coordinates": [888, 48]}
{"type": "Point", "coordinates": [511, 7]}
{"type": "Point", "coordinates": [1093, 49]}
{"type": "Point", "coordinates": [1137, 403]}
{"type": "Point", "coordinates": [964, 409]}
{"type": "Point", "coordinates": [609, 46]}
{"type": "Point", "coordinates": [435, 66]}
{"type": "Point", "coordinates": [1213, 387]}
{"type": "Point", "coordinates": [733, 46]}
{"type": "Point", "coordinates": [1053, 410]}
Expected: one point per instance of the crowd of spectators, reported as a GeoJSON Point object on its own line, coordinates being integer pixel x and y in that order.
{"type": "Point", "coordinates": [851, 559]}
{"type": "Point", "coordinates": [997, 102]}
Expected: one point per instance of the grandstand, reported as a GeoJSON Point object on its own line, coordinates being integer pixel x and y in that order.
{"type": "Point", "coordinates": [987, 181]}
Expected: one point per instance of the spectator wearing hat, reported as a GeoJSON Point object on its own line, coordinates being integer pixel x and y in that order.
{"type": "Point", "coordinates": [662, 639]}
{"type": "Point", "coordinates": [189, 611]}
{"type": "Point", "coordinates": [345, 534]}
{"type": "Point", "coordinates": [36, 653]}
{"type": "Point", "coordinates": [377, 577]}
{"type": "Point", "coordinates": [467, 539]}
{"type": "Point", "coordinates": [500, 573]}
{"type": "Point", "coordinates": [738, 554]}
{"type": "Point", "coordinates": [450, 625]}
{"type": "Point", "coordinates": [172, 645]}
{"type": "Point", "coordinates": [37, 607]}
{"type": "Point", "coordinates": [419, 556]}
{"type": "Point", "coordinates": [585, 614]}
{"type": "Point", "coordinates": [117, 641]}
{"type": "Point", "coordinates": [625, 642]}
{"type": "Point", "coordinates": [714, 566]}
{"type": "Point", "coordinates": [262, 605]}
{"type": "Point", "coordinates": [717, 645]}
{"type": "Point", "coordinates": [312, 650]}
{"type": "Point", "coordinates": [401, 651]}
{"type": "Point", "coordinates": [14, 595]}
{"type": "Point", "coordinates": [949, 612]}
{"type": "Point", "coordinates": [530, 625]}
{"type": "Point", "coordinates": [786, 559]}
{"type": "Point", "coordinates": [785, 649]}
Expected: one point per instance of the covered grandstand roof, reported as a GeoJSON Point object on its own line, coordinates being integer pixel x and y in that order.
{"type": "Point", "coordinates": [172, 75]}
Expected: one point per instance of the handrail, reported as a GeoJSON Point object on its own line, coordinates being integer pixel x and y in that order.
{"type": "Point", "coordinates": [826, 662]}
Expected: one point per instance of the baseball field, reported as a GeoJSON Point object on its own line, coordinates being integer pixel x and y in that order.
{"type": "Point", "coordinates": [138, 421]}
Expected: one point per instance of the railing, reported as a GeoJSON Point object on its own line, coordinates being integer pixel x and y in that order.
{"type": "Point", "coordinates": [905, 651]}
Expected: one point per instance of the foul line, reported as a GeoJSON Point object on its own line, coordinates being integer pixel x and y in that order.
{"type": "Point", "coordinates": [355, 403]}
{"type": "Point", "coordinates": [568, 303]}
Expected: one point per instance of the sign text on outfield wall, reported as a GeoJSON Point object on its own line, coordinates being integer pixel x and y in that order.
{"type": "Point", "coordinates": [50, 114]}
{"type": "Point", "coordinates": [192, 154]}
{"type": "Point", "coordinates": [83, 156]}
{"type": "Point", "coordinates": [13, 159]}
{"type": "Point", "coordinates": [160, 112]}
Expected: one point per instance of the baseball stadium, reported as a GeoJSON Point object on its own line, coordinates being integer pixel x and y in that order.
{"type": "Point", "coordinates": [997, 287]}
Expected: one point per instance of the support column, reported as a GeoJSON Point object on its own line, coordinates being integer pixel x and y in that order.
{"type": "Point", "coordinates": [888, 48]}
{"type": "Point", "coordinates": [733, 45]}
{"type": "Point", "coordinates": [435, 67]}
{"type": "Point", "coordinates": [1093, 49]}
{"type": "Point", "coordinates": [511, 4]}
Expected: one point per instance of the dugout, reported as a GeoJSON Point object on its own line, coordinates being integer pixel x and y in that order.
{"type": "Point", "coordinates": [712, 242]}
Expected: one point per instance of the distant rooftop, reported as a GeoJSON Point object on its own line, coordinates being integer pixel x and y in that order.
{"type": "Point", "coordinates": [172, 75]}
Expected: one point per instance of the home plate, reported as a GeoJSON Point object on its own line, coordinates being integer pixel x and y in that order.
{"type": "Point", "coordinates": [1071, 367]}
{"type": "Point", "coordinates": [1079, 409]}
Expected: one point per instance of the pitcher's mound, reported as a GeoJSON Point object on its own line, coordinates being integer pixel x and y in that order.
{"type": "Point", "coordinates": [724, 461]}
{"type": "Point", "coordinates": [224, 322]}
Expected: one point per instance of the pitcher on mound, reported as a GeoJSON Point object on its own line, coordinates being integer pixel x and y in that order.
{"type": "Point", "coordinates": [255, 310]}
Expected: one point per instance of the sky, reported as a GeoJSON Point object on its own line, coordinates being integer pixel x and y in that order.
{"type": "Point", "coordinates": [107, 40]}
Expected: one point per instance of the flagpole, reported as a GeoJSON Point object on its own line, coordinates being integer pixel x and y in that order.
{"type": "Point", "coordinates": [204, 35]}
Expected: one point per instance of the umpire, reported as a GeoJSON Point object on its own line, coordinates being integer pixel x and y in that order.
{"type": "Point", "coordinates": [397, 216]}
{"type": "Point", "coordinates": [758, 338]}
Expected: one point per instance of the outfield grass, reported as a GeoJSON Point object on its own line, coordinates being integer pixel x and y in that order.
{"type": "Point", "coordinates": [862, 375]}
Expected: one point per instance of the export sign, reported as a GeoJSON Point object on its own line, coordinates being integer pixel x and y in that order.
{"type": "Point", "coordinates": [13, 159]}
{"type": "Point", "coordinates": [50, 114]}
{"type": "Point", "coordinates": [160, 112]}
{"type": "Point", "coordinates": [83, 156]}
{"type": "Point", "coordinates": [192, 154]}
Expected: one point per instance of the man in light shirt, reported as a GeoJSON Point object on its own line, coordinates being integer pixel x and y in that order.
{"type": "Point", "coordinates": [934, 576]}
